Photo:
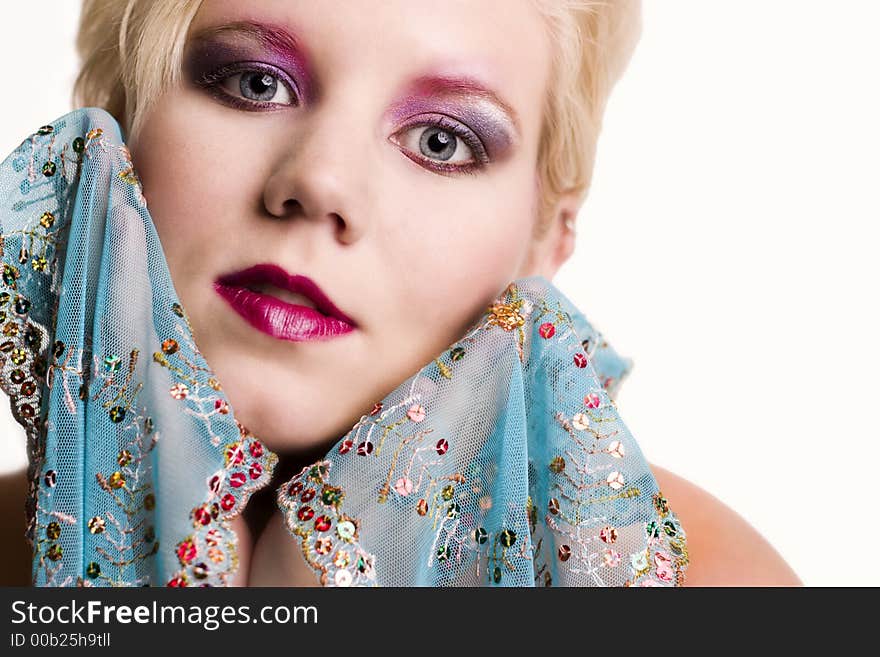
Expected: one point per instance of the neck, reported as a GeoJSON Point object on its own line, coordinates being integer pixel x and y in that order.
{"type": "Point", "coordinates": [268, 554]}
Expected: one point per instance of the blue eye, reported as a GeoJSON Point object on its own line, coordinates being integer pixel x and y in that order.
{"type": "Point", "coordinates": [251, 86]}
{"type": "Point", "coordinates": [258, 86]}
{"type": "Point", "coordinates": [442, 144]}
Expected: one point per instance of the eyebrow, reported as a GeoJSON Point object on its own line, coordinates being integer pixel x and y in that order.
{"type": "Point", "coordinates": [272, 37]}
{"type": "Point", "coordinates": [280, 40]}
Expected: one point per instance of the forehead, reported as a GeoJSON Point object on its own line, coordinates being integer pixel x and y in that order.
{"type": "Point", "coordinates": [501, 43]}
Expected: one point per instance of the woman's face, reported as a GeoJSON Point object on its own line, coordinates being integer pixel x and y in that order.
{"type": "Point", "coordinates": [388, 154]}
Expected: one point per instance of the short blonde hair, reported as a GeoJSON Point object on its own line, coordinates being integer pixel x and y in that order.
{"type": "Point", "coordinates": [131, 51]}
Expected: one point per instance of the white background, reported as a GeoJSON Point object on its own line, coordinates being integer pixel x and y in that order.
{"type": "Point", "coordinates": [729, 246]}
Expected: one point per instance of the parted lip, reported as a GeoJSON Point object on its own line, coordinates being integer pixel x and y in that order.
{"type": "Point", "coordinates": [272, 274]}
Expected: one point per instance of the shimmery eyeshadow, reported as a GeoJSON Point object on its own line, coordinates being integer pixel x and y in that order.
{"type": "Point", "coordinates": [473, 104]}
{"type": "Point", "coordinates": [215, 47]}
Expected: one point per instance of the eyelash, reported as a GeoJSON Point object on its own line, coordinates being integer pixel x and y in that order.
{"type": "Point", "coordinates": [212, 82]}
{"type": "Point", "coordinates": [448, 125]}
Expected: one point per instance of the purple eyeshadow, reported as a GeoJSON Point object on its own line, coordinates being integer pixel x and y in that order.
{"type": "Point", "coordinates": [226, 46]}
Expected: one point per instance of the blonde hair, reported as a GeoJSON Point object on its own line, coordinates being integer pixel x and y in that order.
{"type": "Point", "coordinates": [131, 52]}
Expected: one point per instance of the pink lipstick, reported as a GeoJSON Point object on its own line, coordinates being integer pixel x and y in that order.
{"type": "Point", "coordinates": [285, 306]}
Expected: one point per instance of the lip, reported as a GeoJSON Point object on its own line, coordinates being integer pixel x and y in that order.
{"type": "Point", "coordinates": [278, 318]}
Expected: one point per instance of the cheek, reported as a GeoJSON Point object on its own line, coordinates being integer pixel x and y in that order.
{"type": "Point", "coordinates": [461, 247]}
{"type": "Point", "coordinates": [190, 183]}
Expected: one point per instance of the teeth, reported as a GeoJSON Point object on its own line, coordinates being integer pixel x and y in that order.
{"type": "Point", "coordinates": [284, 295]}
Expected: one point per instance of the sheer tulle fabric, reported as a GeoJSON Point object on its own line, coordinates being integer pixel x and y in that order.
{"type": "Point", "coordinates": [502, 462]}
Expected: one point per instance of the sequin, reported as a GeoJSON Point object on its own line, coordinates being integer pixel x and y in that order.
{"type": "Point", "coordinates": [442, 446]}
{"type": "Point", "coordinates": [149, 501]}
{"type": "Point", "coordinates": [237, 479]}
{"type": "Point", "coordinates": [496, 575]}
{"type": "Point", "coordinates": [17, 376]}
{"type": "Point", "coordinates": [22, 305]}
{"type": "Point", "coordinates": [442, 553]}
{"type": "Point", "coordinates": [580, 360]}
{"type": "Point", "coordinates": [331, 495]}
{"type": "Point", "coordinates": [640, 561]}
{"type": "Point", "coordinates": [117, 414]}
{"type": "Point", "coordinates": [169, 346]}
{"type": "Point", "coordinates": [79, 145]}
{"type": "Point", "coordinates": [227, 501]}
{"type": "Point", "coordinates": [323, 546]}
{"type": "Point", "coordinates": [342, 578]}
{"type": "Point", "coordinates": [564, 552]}
{"type": "Point", "coordinates": [608, 534]}
{"type": "Point", "coordinates": [117, 480]}
{"type": "Point", "coordinates": [506, 316]}
{"type": "Point", "coordinates": [55, 552]}
{"type": "Point", "coordinates": [39, 263]}
{"type": "Point", "coordinates": [346, 530]}
{"type": "Point", "coordinates": [481, 535]}
{"type": "Point", "coordinates": [507, 537]}
{"type": "Point", "coordinates": [660, 503]}
{"type": "Point", "coordinates": [202, 516]}
{"type": "Point", "coordinates": [112, 363]}
{"type": "Point", "coordinates": [456, 354]}
{"type": "Point", "coordinates": [404, 486]}
{"type": "Point", "coordinates": [308, 495]}
{"type": "Point", "coordinates": [186, 551]}
{"type": "Point", "coordinates": [45, 130]}
{"type": "Point", "coordinates": [345, 446]}
{"type": "Point", "coordinates": [447, 492]}
{"type": "Point", "coordinates": [49, 169]}
{"type": "Point", "coordinates": [47, 219]}
{"type": "Point", "coordinates": [453, 510]}
{"type": "Point", "coordinates": [557, 465]}
{"type": "Point", "coordinates": [234, 454]}
{"type": "Point", "coordinates": [365, 448]}
{"type": "Point", "coordinates": [123, 458]}
{"type": "Point", "coordinates": [553, 506]}
{"type": "Point", "coordinates": [592, 400]}
{"type": "Point", "coordinates": [422, 507]}
{"type": "Point", "coordinates": [342, 559]}
{"type": "Point", "coordinates": [50, 478]}
{"type": "Point", "coordinates": [610, 558]}
{"type": "Point", "coordinates": [53, 530]}
{"type": "Point", "coordinates": [305, 513]}
{"type": "Point", "coordinates": [93, 570]}
{"type": "Point", "coordinates": [546, 330]}
{"type": "Point", "coordinates": [179, 391]}
{"type": "Point", "coordinates": [416, 413]}
{"type": "Point", "coordinates": [322, 523]}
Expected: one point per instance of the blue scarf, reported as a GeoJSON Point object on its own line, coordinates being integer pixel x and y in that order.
{"type": "Point", "coordinates": [502, 462]}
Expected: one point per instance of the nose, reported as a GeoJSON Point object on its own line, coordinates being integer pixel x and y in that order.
{"type": "Point", "coordinates": [318, 175]}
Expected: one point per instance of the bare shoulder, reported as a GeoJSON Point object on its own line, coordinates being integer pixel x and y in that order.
{"type": "Point", "coordinates": [723, 549]}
